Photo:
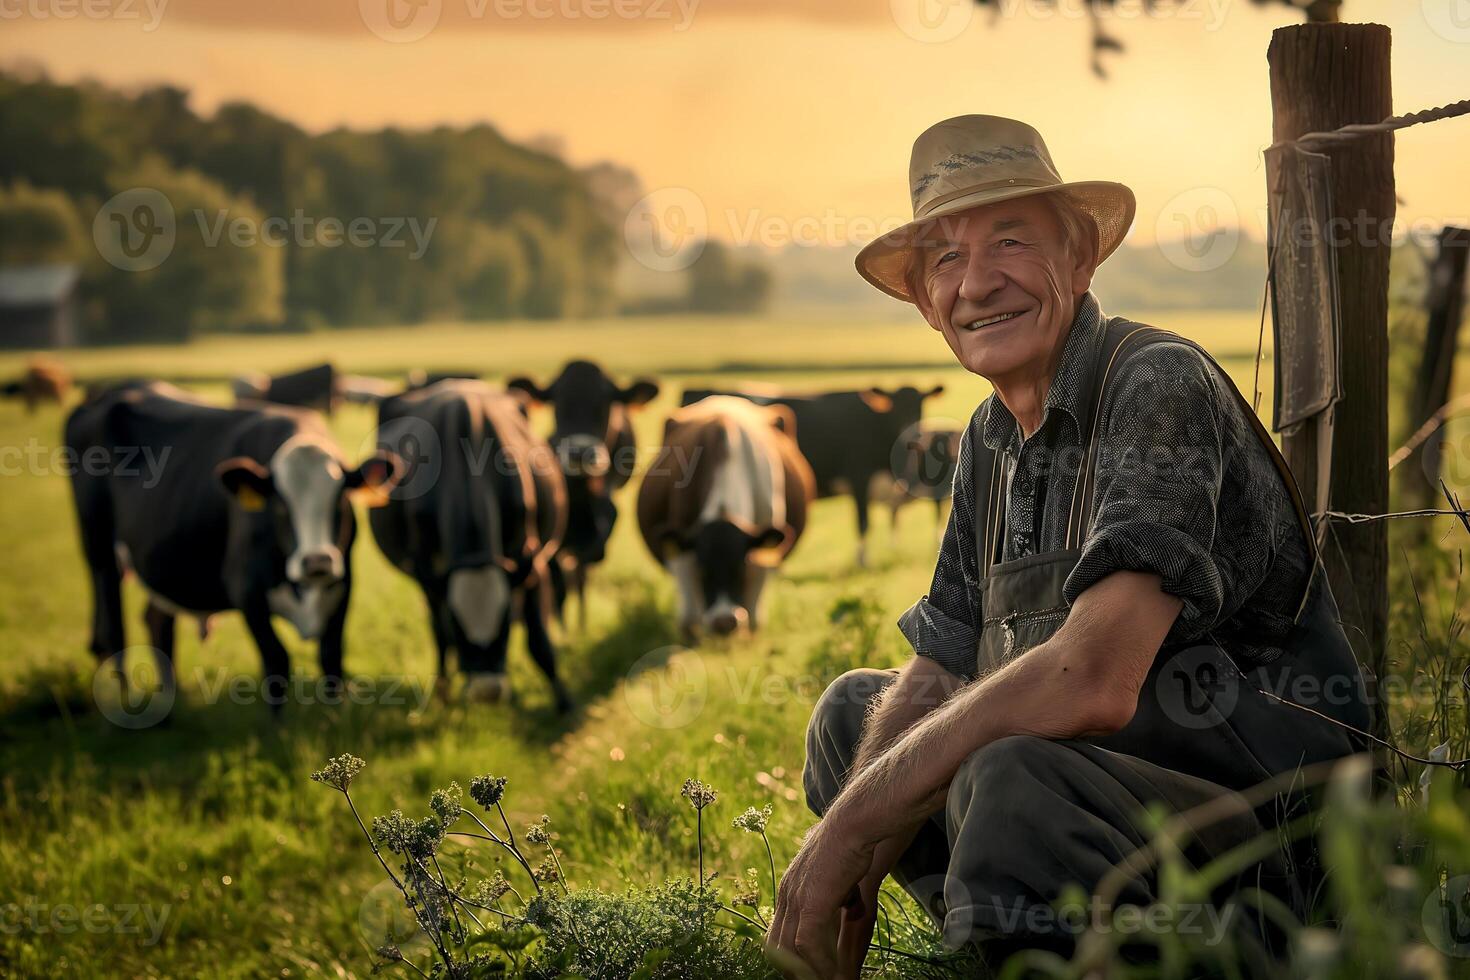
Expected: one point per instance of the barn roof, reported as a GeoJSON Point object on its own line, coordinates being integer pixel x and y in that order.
{"type": "Point", "coordinates": [36, 285]}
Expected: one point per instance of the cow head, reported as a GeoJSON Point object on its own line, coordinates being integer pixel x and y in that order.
{"type": "Point", "coordinates": [303, 494]}
{"type": "Point", "coordinates": [593, 443]}
{"type": "Point", "coordinates": [721, 565]}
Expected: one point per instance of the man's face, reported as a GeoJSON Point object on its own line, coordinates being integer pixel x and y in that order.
{"type": "Point", "coordinates": [1001, 283]}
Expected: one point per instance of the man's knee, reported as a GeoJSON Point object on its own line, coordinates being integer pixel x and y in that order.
{"type": "Point", "coordinates": [1001, 785]}
{"type": "Point", "coordinates": [833, 733]}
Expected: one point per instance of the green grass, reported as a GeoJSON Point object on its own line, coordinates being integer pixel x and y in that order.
{"type": "Point", "coordinates": [208, 819]}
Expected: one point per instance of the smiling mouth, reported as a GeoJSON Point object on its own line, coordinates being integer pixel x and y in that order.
{"type": "Point", "coordinates": [992, 320]}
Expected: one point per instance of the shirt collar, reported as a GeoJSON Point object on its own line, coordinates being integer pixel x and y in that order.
{"type": "Point", "coordinates": [1079, 354]}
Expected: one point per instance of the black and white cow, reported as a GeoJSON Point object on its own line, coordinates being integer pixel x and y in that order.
{"type": "Point", "coordinates": [216, 509]}
{"type": "Point", "coordinates": [721, 505]}
{"type": "Point", "coordinates": [848, 437]}
{"type": "Point", "coordinates": [476, 522]}
{"type": "Point", "coordinates": [595, 445]}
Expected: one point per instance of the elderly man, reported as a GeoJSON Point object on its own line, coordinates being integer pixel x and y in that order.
{"type": "Point", "coordinates": [1128, 560]}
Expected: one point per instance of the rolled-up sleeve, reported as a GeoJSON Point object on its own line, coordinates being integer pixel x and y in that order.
{"type": "Point", "coordinates": [943, 624]}
{"type": "Point", "coordinates": [1157, 490]}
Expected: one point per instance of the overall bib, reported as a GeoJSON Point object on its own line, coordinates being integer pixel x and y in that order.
{"type": "Point", "coordinates": [1199, 713]}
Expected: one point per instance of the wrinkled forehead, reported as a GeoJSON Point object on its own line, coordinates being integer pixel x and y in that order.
{"type": "Point", "coordinates": [306, 470]}
{"type": "Point", "coordinates": [1032, 215]}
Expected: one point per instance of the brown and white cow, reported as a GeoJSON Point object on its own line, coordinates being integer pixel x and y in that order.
{"type": "Point", "coordinates": [849, 437]}
{"type": "Point", "coordinates": [724, 502]}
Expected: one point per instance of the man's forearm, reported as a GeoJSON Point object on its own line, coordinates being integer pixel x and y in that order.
{"type": "Point", "coordinates": [922, 686]}
{"type": "Point", "coordinates": [910, 775]}
{"type": "Point", "coordinates": [1084, 681]}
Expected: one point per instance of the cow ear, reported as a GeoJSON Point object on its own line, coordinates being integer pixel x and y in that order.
{"type": "Point", "coordinates": [936, 390]}
{"type": "Point", "coordinates": [528, 387]}
{"type": "Point", "coordinates": [376, 477]}
{"type": "Point", "coordinates": [640, 392]}
{"type": "Point", "coordinates": [247, 481]}
{"type": "Point", "coordinates": [767, 545]}
{"type": "Point", "coordinates": [877, 399]}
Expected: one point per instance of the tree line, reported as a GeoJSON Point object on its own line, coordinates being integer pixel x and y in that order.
{"type": "Point", "coordinates": [273, 227]}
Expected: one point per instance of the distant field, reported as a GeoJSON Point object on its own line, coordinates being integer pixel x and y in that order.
{"type": "Point", "coordinates": [209, 820]}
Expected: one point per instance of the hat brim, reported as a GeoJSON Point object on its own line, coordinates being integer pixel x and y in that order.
{"type": "Point", "coordinates": [884, 262]}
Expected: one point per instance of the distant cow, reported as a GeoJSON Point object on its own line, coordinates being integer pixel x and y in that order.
{"type": "Point", "coordinates": [45, 380]}
{"type": "Point", "coordinates": [476, 523]}
{"type": "Point", "coordinates": [595, 445]}
{"type": "Point", "coordinates": [723, 503]}
{"type": "Point", "coordinates": [217, 509]}
{"type": "Point", "coordinates": [314, 387]}
{"type": "Point", "coordinates": [848, 437]}
{"type": "Point", "coordinates": [361, 389]}
{"type": "Point", "coordinates": [924, 468]}
{"type": "Point", "coordinates": [419, 378]}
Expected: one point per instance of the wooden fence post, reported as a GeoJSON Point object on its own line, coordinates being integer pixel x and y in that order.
{"type": "Point", "coordinates": [1324, 76]}
{"type": "Point", "coordinates": [1445, 306]}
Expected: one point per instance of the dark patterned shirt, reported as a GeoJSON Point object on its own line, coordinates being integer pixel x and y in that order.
{"type": "Point", "coordinates": [1184, 489]}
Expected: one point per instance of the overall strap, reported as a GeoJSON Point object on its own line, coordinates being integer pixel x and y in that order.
{"type": "Point", "coordinates": [990, 482]}
{"type": "Point", "coordinates": [991, 476]}
{"type": "Point", "coordinates": [1128, 342]}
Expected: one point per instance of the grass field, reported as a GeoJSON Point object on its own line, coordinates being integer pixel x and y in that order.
{"type": "Point", "coordinates": [201, 839]}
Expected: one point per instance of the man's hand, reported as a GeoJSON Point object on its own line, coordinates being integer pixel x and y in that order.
{"type": "Point", "coordinates": [818, 890]}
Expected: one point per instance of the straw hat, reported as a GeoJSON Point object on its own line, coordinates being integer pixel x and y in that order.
{"type": "Point", "coordinates": [967, 161]}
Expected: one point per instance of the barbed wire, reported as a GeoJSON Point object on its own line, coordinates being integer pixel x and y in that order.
{"type": "Point", "coordinates": [1350, 132]}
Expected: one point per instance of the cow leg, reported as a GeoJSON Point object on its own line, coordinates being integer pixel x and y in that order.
{"type": "Point", "coordinates": [443, 625]}
{"type": "Point", "coordinates": [685, 570]}
{"type": "Point", "coordinates": [273, 657]}
{"type": "Point", "coordinates": [893, 505]}
{"type": "Point", "coordinates": [161, 633]}
{"type": "Point", "coordinates": [579, 583]}
{"type": "Point", "coordinates": [860, 498]}
{"type": "Point", "coordinates": [330, 647]}
{"type": "Point", "coordinates": [538, 641]}
{"type": "Point", "coordinates": [94, 514]}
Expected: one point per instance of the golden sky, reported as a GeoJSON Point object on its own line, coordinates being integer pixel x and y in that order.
{"type": "Point", "coordinates": [781, 116]}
